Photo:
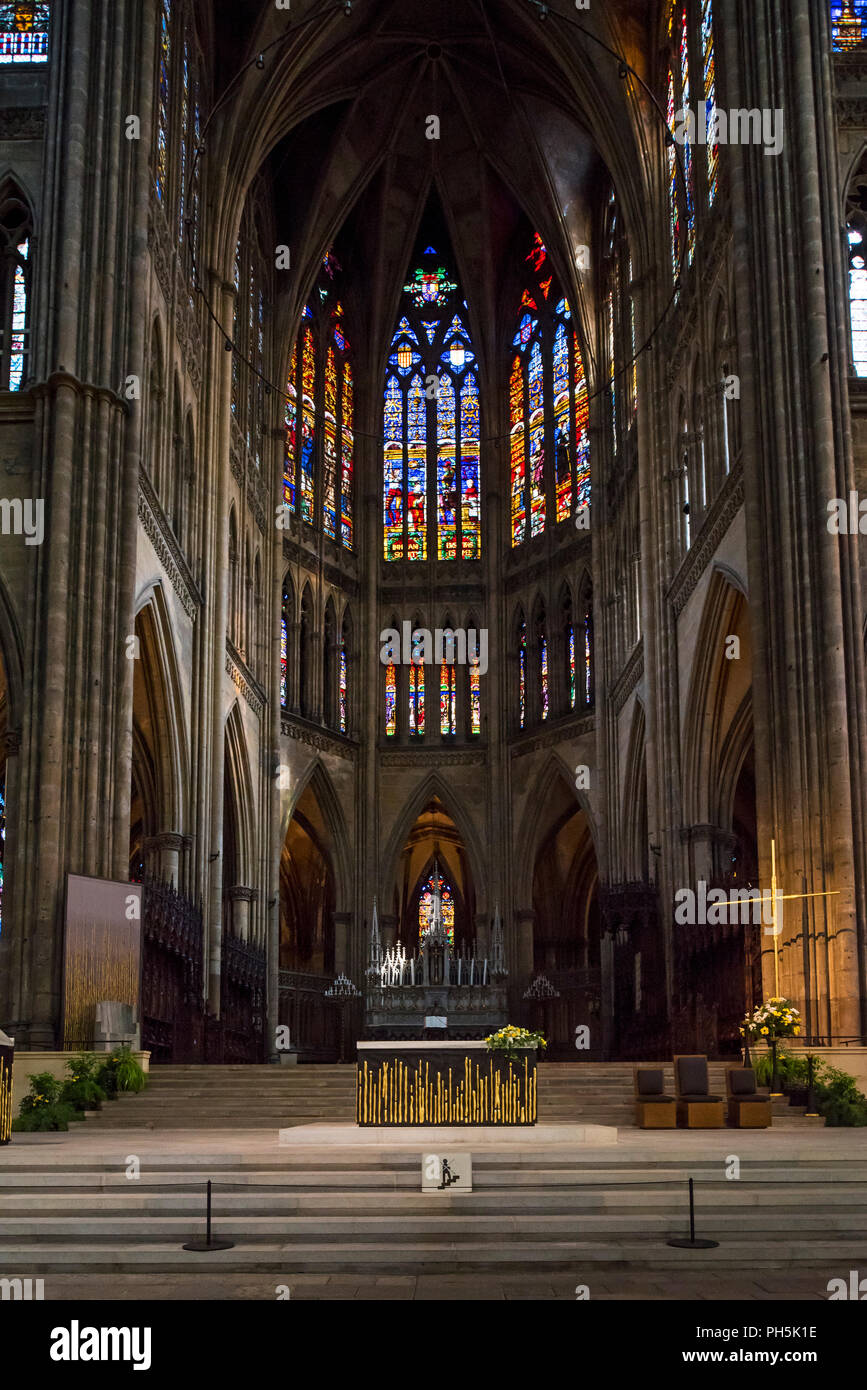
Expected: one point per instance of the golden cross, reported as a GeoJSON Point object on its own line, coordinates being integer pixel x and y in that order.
{"type": "Point", "coordinates": [776, 897]}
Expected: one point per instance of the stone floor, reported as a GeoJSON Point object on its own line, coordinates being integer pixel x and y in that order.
{"type": "Point", "coordinates": [798, 1219]}
{"type": "Point", "coordinates": [706, 1286]}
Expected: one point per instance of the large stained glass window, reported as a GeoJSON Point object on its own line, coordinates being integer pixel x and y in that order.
{"type": "Point", "coordinates": [334, 425]}
{"type": "Point", "coordinates": [848, 24]}
{"type": "Point", "coordinates": [710, 99]}
{"type": "Point", "coordinates": [858, 298]}
{"type": "Point", "coordinates": [15, 280]}
{"type": "Point", "coordinates": [341, 675]}
{"type": "Point", "coordinates": [426, 907]}
{"type": "Point", "coordinates": [475, 701]}
{"type": "Point", "coordinates": [673, 204]}
{"type": "Point", "coordinates": [549, 450]}
{"type": "Point", "coordinates": [685, 101]}
{"type": "Point", "coordinates": [163, 99]}
{"type": "Point", "coordinates": [431, 432]}
{"type": "Point", "coordinates": [24, 33]}
{"type": "Point", "coordinates": [391, 699]}
{"type": "Point", "coordinates": [522, 674]}
{"type": "Point", "coordinates": [448, 698]}
{"type": "Point", "coordinates": [416, 699]}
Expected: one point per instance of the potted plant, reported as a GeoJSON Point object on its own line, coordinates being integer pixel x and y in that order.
{"type": "Point", "coordinates": [510, 1041]}
{"type": "Point", "coordinates": [775, 1019]}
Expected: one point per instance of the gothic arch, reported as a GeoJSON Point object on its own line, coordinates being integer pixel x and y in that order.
{"type": "Point", "coordinates": [318, 780]}
{"type": "Point", "coordinates": [240, 782]}
{"type": "Point", "coordinates": [160, 711]}
{"type": "Point", "coordinates": [533, 826]}
{"type": "Point", "coordinates": [705, 725]}
{"type": "Point", "coordinates": [433, 786]}
{"type": "Point", "coordinates": [634, 826]}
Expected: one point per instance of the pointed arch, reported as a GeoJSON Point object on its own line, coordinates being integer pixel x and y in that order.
{"type": "Point", "coordinates": [634, 827]}
{"type": "Point", "coordinates": [317, 779]}
{"type": "Point", "coordinates": [433, 786]}
{"type": "Point", "coordinates": [715, 683]}
{"type": "Point", "coordinates": [158, 711]}
{"type": "Point", "coordinates": [240, 784]}
{"type": "Point", "coordinates": [156, 405]}
{"type": "Point", "coordinates": [553, 775]}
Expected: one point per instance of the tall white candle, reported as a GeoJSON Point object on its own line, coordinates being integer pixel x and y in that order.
{"type": "Point", "coordinates": [485, 974]}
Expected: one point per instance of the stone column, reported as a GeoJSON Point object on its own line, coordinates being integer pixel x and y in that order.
{"type": "Point", "coordinates": [241, 899]}
{"type": "Point", "coordinates": [525, 919]}
{"type": "Point", "coordinates": [342, 930]}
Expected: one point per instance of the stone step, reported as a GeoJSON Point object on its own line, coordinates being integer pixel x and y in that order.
{"type": "Point", "coordinates": [399, 1256]}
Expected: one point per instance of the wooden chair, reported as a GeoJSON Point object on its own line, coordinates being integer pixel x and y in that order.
{"type": "Point", "coordinates": [696, 1107]}
{"type": "Point", "coordinates": [653, 1108]}
{"type": "Point", "coordinates": [746, 1108]}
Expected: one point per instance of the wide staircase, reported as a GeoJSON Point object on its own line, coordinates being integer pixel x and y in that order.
{"type": "Point", "coordinates": [274, 1097]}
{"type": "Point", "coordinates": [70, 1207]}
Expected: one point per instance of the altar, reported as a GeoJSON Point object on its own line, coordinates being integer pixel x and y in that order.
{"type": "Point", "coordinates": [450, 1083]}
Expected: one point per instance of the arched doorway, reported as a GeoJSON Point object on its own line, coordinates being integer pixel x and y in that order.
{"type": "Point", "coordinates": [308, 944]}
{"type": "Point", "coordinates": [566, 920]}
{"type": "Point", "coordinates": [434, 844]}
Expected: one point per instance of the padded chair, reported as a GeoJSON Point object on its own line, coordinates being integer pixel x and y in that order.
{"type": "Point", "coordinates": [746, 1109]}
{"type": "Point", "coordinates": [696, 1107]}
{"type": "Point", "coordinates": [653, 1108]}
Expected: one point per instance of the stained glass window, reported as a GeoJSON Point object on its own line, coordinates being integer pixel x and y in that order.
{"type": "Point", "coordinates": [588, 656]}
{"type": "Point", "coordinates": [342, 686]}
{"type": "Point", "coordinates": [284, 655]}
{"type": "Point", "coordinates": [475, 700]}
{"type": "Point", "coordinates": [291, 415]}
{"type": "Point", "coordinates": [185, 118]}
{"type": "Point", "coordinates": [426, 907]}
{"type": "Point", "coordinates": [329, 430]}
{"type": "Point", "coordinates": [543, 675]}
{"type": "Point", "coordinates": [347, 455]}
{"type": "Point", "coordinates": [24, 33]}
{"type": "Point", "coordinates": [416, 699]}
{"type": "Point", "coordinates": [612, 381]}
{"type": "Point", "coordinates": [390, 699]}
{"type": "Point", "coordinates": [857, 300]}
{"type": "Point", "coordinates": [673, 205]}
{"type": "Point", "coordinates": [308, 426]}
{"type": "Point", "coordinates": [447, 489]}
{"type": "Point", "coordinates": [710, 99]}
{"type": "Point", "coordinates": [848, 24]}
{"type": "Point", "coordinates": [320, 364]}
{"type": "Point", "coordinates": [18, 338]}
{"type": "Point", "coordinates": [470, 508]}
{"type": "Point", "coordinates": [549, 448]}
{"type": "Point", "coordinates": [448, 698]}
{"type": "Point", "coordinates": [516, 411]}
{"type": "Point", "coordinates": [570, 658]}
{"type": "Point", "coordinates": [431, 470]}
{"type": "Point", "coordinates": [685, 101]}
{"type": "Point", "coordinates": [163, 96]}
{"type": "Point", "coordinates": [522, 674]}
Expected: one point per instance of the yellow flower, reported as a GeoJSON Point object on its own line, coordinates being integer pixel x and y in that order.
{"type": "Point", "coordinates": [765, 1030]}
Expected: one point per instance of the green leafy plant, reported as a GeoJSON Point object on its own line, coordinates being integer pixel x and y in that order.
{"type": "Point", "coordinates": [82, 1091]}
{"type": "Point", "coordinates": [512, 1041]}
{"type": "Point", "coordinates": [835, 1092]}
{"type": "Point", "coordinates": [42, 1109]}
{"type": "Point", "coordinates": [127, 1070]}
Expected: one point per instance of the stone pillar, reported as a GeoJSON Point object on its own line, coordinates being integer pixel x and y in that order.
{"type": "Point", "coordinates": [387, 930]}
{"type": "Point", "coordinates": [241, 899]}
{"type": "Point", "coordinates": [525, 919]}
{"type": "Point", "coordinates": [342, 929]}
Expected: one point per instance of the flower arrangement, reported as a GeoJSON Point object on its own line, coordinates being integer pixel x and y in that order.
{"type": "Point", "coordinates": [511, 1041]}
{"type": "Point", "coordinates": [777, 1018]}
